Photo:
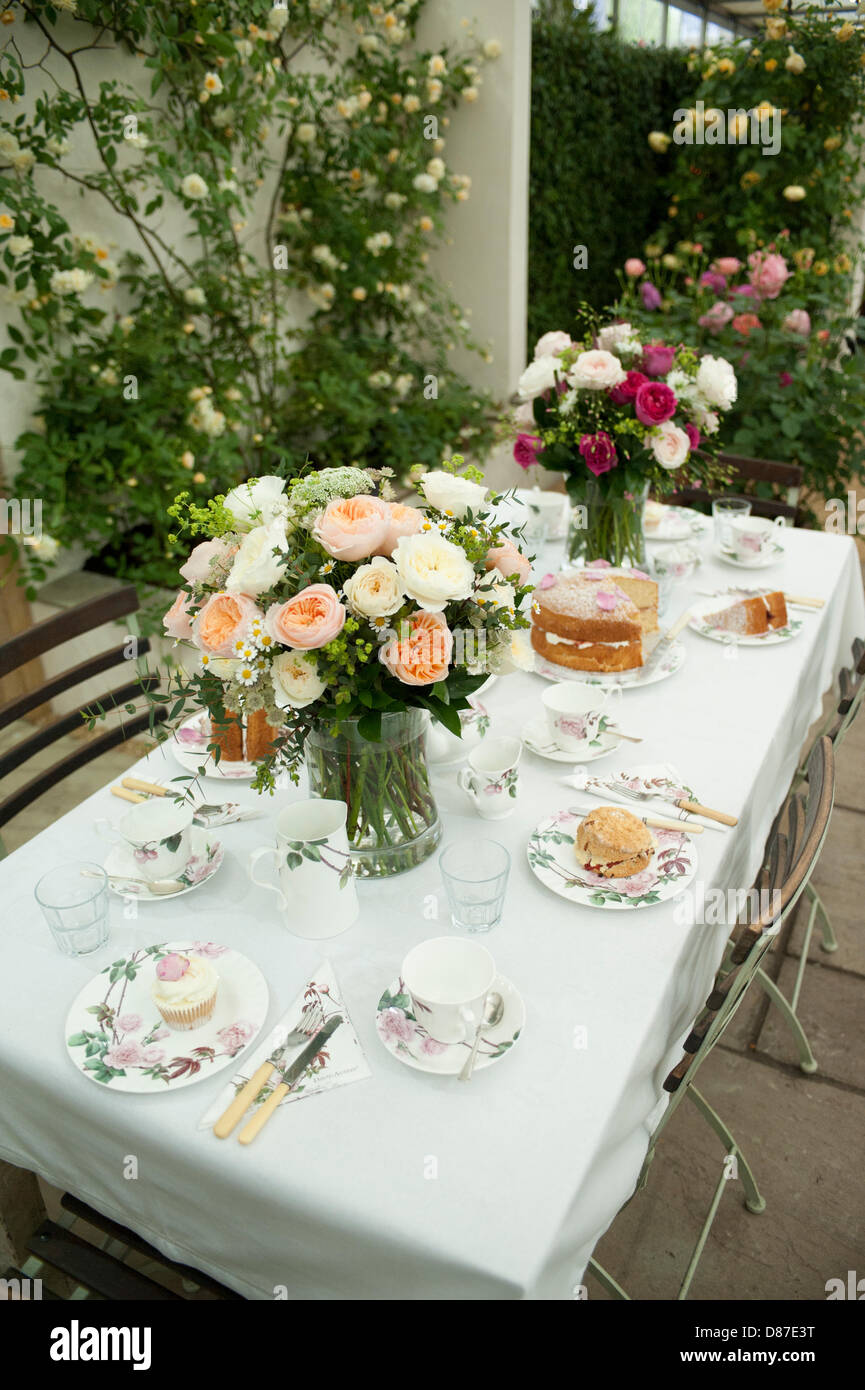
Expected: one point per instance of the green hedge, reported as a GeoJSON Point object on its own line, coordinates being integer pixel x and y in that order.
{"type": "Point", "coordinates": [593, 179]}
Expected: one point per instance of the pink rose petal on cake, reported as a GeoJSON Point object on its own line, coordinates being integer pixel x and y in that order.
{"type": "Point", "coordinates": [172, 967]}
{"type": "Point", "coordinates": [599, 565]}
{"type": "Point", "coordinates": [606, 601]}
{"type": "Point", "coordinates": [547, 582]}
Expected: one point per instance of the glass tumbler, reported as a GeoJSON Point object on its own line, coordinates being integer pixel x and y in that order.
{"type": "Point", "coordinates": [726, 510]}
{"type": "Point", "coordinates": [475, 874]}
{"type": "Point", "coordinates": [74, 901]}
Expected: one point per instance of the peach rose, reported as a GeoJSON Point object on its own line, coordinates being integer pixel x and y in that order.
{"type": "Point", "coordinates": [178, 620]}
{"type": "Point", "coordinates": [311, 618]}
{"type": "Point", "coordinates": [421, 654]}
{"type": "Point", "coordinates": [223, 620]}
{"type": "Point", "coordinates": [508, 560]}
{"type": "Point", "coordinates": [353, 528]}
{"type": "Point", "coordinates": [209, 553]}
{"type": "Point", "coordinates": [404, 521]}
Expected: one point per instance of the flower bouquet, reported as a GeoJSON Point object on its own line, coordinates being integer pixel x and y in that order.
{"type": "Point", "coordinates": [617, 416]}
{"type": "Point", "coordinates": [349, 619]}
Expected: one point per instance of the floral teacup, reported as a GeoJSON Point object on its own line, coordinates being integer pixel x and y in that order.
{"type": "Point", "coordinates": [491, 780]}
{"type": "Point", "coordinates": [753, 537]}
{"type": "Point", "coordinates": [158, 833]}
{"type": "Point", "coordinates": [577, 713]}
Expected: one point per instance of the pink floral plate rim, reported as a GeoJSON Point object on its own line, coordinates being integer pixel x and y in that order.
{"type": "Point", "coordinates": [116, 1036]}
{"type": "Point", "coordinates": [552, 860]}
{"type": "Point", "coordinates": [408, 1041]}
{"type": "Point", "coordinates": [189, 745]}
{"type": "Point", "coordinates": [206, 859]}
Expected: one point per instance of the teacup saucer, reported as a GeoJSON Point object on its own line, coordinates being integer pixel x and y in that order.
{"type": "Point", "coordinates": [206, 858]}
{"type": "Point", "coordinates": [761, 562]}
{"type": "Point", "coordinates": [536, 736]}
{"type": "Point", "coordinates": [409, 1042]}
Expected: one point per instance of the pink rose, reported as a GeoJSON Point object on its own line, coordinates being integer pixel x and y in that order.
{"type": "Point", "coordinates": [353, 528]}
{"type": "Point", "coordinates": [235, 1036]}
{"type": "Point", "coordinates": [524, 416]}
{"type": "Point", "coordinates": [657, 359]}
{"type": "Point", "coordinates": [508, 560]}
{"type": "Point", "coordinates": [395, 1027]}
{"type": "Point", "coordinates": [746, 323]}
{"type": "Point", "coordinates": [178, 620]}
{"type": "Point", "coordinates": [654, 403]}
{"type": "Point", "coordinates": [634, 267]}
{"type": "Point", "coordinates": [798, 321]}
{"type": "Point", "coordinates": [125, 1054]}
{"type": "Point", "coordinates": [747, 290]}
{"type": "Point", "coordinates": [694, 435]}
{"type": "Point", "coordinates": [310, 619]}
{"type": "Point", "coordinates": [152, 1056]}
{"type": "Point", "coordinates": [172, 967]}
{"type": "Point", "coordinates": [421, 654]}
{"type": "Point", "coordinates": [713, 281]}
{"type": "Point", "coordinates": [526, 449]}
{"type": "Point", "coordinates": [768, 273]}
{"type": "Point", "coordinates": [129, 1023]}
{"type": "Point", "coordinates": [626, 391]}
{"type": "Point", "coordinates": [431, 1047]}
{"type": "Point", "coordinates": [717, 317]}
{"type": "Point", "coordinates": [404, 521]}
{"type": "Point", "coordinates": [205, 558]}
{"type": "Point", "coordinates": [599, 452]}
{"type": "Point", "coordinates": [223, 620]}
{"type": "Point", "coordinates": [552, 343]}
{"type": "Point", "coordinates": [650, 295]}
{"type": "Point", "coordinates": [785, 379]}
{"type": "Point", "coordinates": [727, 265]}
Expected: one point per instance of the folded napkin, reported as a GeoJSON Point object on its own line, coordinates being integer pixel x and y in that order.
{"type": "Point", "coordinates": [655, 781]}
{"type": "Point", "coordinates": [342, 1063]}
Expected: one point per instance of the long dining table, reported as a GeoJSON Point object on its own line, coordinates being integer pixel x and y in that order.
{"type": "Point", "coordinates": [408, 1185]}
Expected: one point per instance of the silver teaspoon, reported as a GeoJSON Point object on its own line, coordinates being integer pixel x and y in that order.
{"type": "Point", "coordinates": [494, 1009]}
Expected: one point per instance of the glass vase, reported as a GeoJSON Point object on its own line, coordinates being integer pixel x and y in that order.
{"type": "Point", "coordinates": [393, 822]}
{"type": "Point", "coordinates": [605, 527]}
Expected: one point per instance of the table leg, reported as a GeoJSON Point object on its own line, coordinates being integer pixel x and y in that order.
{"type": "Point", "coordinates": [21, 1211]}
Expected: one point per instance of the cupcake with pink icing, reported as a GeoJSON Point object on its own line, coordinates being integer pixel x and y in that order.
{"type": "Point", "coordinates": [184, 990]}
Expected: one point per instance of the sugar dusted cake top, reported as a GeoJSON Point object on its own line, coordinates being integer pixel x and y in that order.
{"type": "Point", "coordinates": [581, 596]}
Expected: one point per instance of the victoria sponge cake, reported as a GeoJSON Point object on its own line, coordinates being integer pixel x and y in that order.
{"type": "Point", "coordinates": [588, 624]}
{"type": "Point", "coordinates": [640, 588]}
{"type": "Point", "coordinates": [613, 843]}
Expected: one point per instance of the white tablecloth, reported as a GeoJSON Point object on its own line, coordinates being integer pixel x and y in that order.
{"type": "Point", "coordinates": [409, 1185]}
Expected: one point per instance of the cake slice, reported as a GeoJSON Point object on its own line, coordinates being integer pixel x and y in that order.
{"type": "Point", "coordinates": [243, 740]}
{"type": "Point", "coordinates": [640, 588]}
{"type": "Point", "coordinates": [751, 617]}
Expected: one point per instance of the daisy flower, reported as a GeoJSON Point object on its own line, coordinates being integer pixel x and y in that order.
{"type": "Point", "coordinates": [248, 675]}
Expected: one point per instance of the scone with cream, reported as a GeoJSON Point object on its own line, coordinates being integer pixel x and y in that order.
{"type": "Point", "coordinates": [184, 990]}
{"type": "Point", "coordinates": [613, 843]}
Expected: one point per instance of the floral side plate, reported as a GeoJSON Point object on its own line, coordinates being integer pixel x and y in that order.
{"type": "Point", "coordinates": [409, 1042]}
{"type": "Point", "coordinates": [189, 745]}
{"type": "Point", "coordinates": [720, 634]}
{"type": "Point", "coordinates": [553, 861]}
{"type": "Point", "coordinates": [665, 660]}
{"type": "Point", "coordinates": [115, 1034]}
{"type": "Point", "coordinates": [206, 858]}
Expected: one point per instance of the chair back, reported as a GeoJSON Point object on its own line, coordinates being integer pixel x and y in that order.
{"type": "Point", "coordinates": [851, 683]}
{"type": "Point", "coordinates": [792, 850]}
{"type": "Point", "coordinates": [44, 637]}
{"type": "Point", "coordinates": [786, 477]}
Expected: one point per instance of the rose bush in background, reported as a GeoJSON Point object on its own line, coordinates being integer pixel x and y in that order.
{"type": "Point", "coordinates": [305, 147]}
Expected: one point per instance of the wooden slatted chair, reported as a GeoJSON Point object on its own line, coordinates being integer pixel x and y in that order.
{"type": "Point", "coordinates": [792, 850]}
{"type": "Point", "coordinates": [851, 684]}
{"type": "Point", "coordinates": [44, 637]}
{"type": "Point", "coordinates": [782, 476]}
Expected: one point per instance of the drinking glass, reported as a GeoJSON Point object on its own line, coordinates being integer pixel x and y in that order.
{"type": "Point", "coordinates": [74, 900]}
{"type": "Point", "coordinates": [475, 874]}
{"type": "Point", "coordinates": [726, 510]}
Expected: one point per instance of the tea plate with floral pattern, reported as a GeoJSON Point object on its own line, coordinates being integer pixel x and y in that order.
{"type": "Point", "coordinates": [552, 859]}
{"type": "Point", "coordinates": [116, 1036]}
{"type": "Point", "coordinates": [206, 858]}
{"type": "Point", "coordinates": [189, 746]}
{"type": "Point", "coordinates": [771, 638]}
{"type": "Point", "coordinates": [408, 1041]}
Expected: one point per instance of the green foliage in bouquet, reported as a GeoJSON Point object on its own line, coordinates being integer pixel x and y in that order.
{"type": "Point", "coordinates": [593, 181]}
{"type": "Point", "coordinates": [780, 319]}
{"type": "Point", "coordinates": [281, 175]}
{"type": "Point", "coordinates": [808, 68]}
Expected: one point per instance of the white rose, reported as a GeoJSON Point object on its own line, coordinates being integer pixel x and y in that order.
{"type": "Point", "coordinates": [613, 335]}
{"type": "Point", "coordinates": [194, 295]}
{"type": "Point", "coordinates": [540, 376]}
{"type": "Point", "coordinates": [717, 381]}
{"type": "Point", "coordinates": [257, 502]}
{"type": "Point", "coordinates": [492, 49]}
{"type": "Point", "coordinates": [20, 245]}
{"type": "Point", "coordinates": [71, 281]}
{"type": "Point", "coordinates": [447, 492]}
{"type": "Point", "coordinates": [256, 568]}
{"type": "Point", "coordinates": [194, 187]}
{"type": "Point", "coordinates": [706, 420]}
{"type": "Point", "coordinates": [8, 144]}
{"type": "Point", "coordinates": [552, 343]}
{"type": "Point", "coordinates": [296, 682]}
{"type": "Point", "coordinates": [434, 571]}
{"type": "Point", "coordinates": [277, 19]}
{"type": "Point", "coordinates": [436, 168]}
{"type": "Point", "coordinates": [23, 161]}
{"type": "Point", "coordinates": [683, 385]}
{"type": "Point", "coordinates": [670, 445]}
{"type": "Point", "coordinates": [374, 590]}
{"type": "Point", "coordinates": [424, 183]}
{"type": "Point", "coordinates": [305, 133]}
{"type": "Point", "coordinates": [518, 656]}
{"type": "Point", "coordinates": [596, 370]}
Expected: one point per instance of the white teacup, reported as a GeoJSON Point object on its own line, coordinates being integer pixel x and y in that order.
{"type": "Point", "coordinates": [491, 780]}
{"type": "Point", "coordinates": [752, 537]}
{"type": "Point", "coordinates": [316, 893]}
{"type": "Point", "coordinates": [448, 979]}
{"type": "Point", "coordinates": [577, 713]}
{"type": "Point", "coordinates": [158, 832]}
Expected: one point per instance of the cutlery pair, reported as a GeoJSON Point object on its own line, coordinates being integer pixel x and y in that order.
{"type": "Point", "coordinates": [310, 1026]}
